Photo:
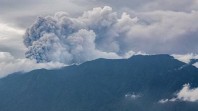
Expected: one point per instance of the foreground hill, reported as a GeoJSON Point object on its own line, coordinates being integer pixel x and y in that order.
{"type": "Point", "coordinates": [134, 84]}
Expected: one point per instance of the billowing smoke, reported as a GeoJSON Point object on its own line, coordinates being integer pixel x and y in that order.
{"type": "Point", "coordinates": [95, 34]}
{"type": "Point", "coordinates": [103, 33]}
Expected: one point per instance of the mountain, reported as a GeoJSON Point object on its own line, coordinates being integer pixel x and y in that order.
{"type": "Point", "coordinates": [134, 84]}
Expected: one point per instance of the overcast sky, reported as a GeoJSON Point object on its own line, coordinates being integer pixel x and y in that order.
{"type": "Point", "coordinates": [20, 14]}
{"type": "Point", "coordinates": [147, 26]}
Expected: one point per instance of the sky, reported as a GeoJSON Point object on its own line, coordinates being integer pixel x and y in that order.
{"type": "Point", "coordinates": [41, 33]}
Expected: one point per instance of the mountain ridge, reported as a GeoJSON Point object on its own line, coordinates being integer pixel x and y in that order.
{"type": "Point", "coordinates": [101, 84]}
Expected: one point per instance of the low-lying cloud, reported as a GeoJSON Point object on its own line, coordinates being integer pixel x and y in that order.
{"type": "Point", "coordinates": [187, 58]}
{"type": "Point", "coordinates": [185, 94]}
{"type": "Point", "coordinates": [132, 96]}
{"type": "Point", "coordinates": [188, 94]}
{"type": "Point", "coordinates": [9, 64]}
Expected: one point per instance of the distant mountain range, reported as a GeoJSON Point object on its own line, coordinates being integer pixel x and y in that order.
{"type": "Point", "coordinates": [134, 84]}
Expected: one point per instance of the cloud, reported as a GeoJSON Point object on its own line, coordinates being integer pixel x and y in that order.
{"type": "Point", "coordinates": [107, 33]}
{"type": "Point", "coordinates": [11, 40]}
{"type": "Point", "coordinates": [196, 64]}
{"type": "Point", "coordinates": [165, 32]}
{"type": "Point", "coordinates": [185, 94]}
{"type": "Point", "coordinates": [20, 12]}
{"type": "Point", "coordinates": [145, 5]}
{"type": "Point", "coordinates": [10, 64]}
{"type": "Point", "coordinates": [162, 101]}
{"type": "Point", "coordinates": [186, 58]}
{"type": "Point", "coordinates": [5, 28]}
{"type": "Point", "coordinates": [74, 40]}
{"type": "Point", "coordinates": [132, 96]}
{"type": "Point", "coordinates": [176, 5]}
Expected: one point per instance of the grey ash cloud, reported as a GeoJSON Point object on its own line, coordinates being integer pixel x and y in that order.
{"type": "Point", "coordinates": [65, 39]}
{"type": "Point", "coordinates": [105, 33]}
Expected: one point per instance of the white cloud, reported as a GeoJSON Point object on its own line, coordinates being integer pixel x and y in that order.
{"type": "Point", "coordinates": [162, 101]}
{"type": "Point", "coordinates": [7, 29]}
{"type": "Point", "coordinates": [196, 64]}
{"type": "Point", "coordinates": [11, 39]}
{"type": "Point", "coordinates": [132, 96]}
{"type": "Point", "coordinates": [165, 32]}
{"type": "Point", "coordinates": [10, 64]}
{"type": "Point", "coordinates": [186, 58]}
{"type": "Point", "coordinates": [185, 94]}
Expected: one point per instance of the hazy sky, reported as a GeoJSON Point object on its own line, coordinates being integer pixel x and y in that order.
{"type": "Point", "coordinates": [118, 30]}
